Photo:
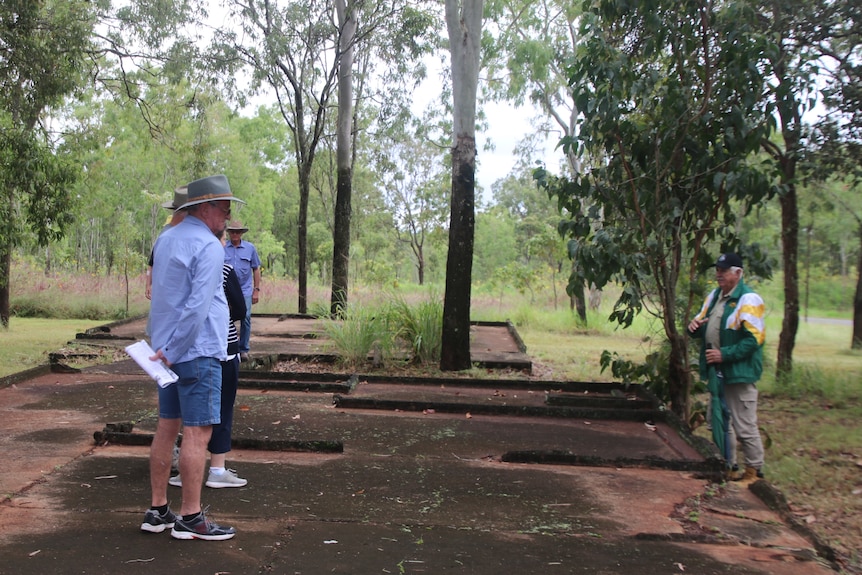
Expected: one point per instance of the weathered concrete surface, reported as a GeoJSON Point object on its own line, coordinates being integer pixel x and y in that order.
{"type": "Point", "coordinates": [422, 491]}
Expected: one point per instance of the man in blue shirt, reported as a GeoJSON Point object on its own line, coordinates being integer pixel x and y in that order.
{"type": "Point", "coordinates": [242, 256]}
{"type": "Point", "coordinates": [189, 328]}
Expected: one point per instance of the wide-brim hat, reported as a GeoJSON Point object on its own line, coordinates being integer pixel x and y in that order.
{"type": "Point", "coordinates": [181, 196]}
{"type": "Point", "coordinates": [729, 260]}
{"type": "Point", "coordinates": [236, 226]}
{"type": "Point", "coordinates": [209, 189]}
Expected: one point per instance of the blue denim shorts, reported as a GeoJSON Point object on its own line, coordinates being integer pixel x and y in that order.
{"type": "Point", "coordinates": [196, 396]}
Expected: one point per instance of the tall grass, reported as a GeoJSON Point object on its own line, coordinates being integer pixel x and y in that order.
{"type": "Point", "coordinates": [361, 332]}
{"type": "Point", "coordinates": [553, 333]}
{"type": "Point", "coordinates": [824, 365]}
{"type": "Point", "coordinates": [419, 326]}
{"type": "Point", "coordinates": [64, 295]}
{"type": "Point", "coordinates": [394, 329]}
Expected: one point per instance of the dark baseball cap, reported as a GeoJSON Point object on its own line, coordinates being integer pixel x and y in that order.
{"type": "Point", "coordinates": [727, 261]}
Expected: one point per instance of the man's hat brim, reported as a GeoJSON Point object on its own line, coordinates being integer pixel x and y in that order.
{"type": "Point", "coordinates": [181, 196]}
{"type": "Point", "coordinates": [210, 189]}
{"type": "Point", "coordinates": [236, 226]}
{"type": "Point", "coordinates": [196, 202]}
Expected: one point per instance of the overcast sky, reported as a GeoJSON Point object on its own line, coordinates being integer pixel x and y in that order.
{"type": "Point", "coordinates": [507, 125]}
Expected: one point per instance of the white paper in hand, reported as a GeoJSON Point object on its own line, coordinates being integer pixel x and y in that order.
{"type": "Point", "coordinates": [141, 352]}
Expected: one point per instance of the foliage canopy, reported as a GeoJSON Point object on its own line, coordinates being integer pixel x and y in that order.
{"type": "Point", "coordinates": [672, 115]}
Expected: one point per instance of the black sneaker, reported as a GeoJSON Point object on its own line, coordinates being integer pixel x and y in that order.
{"type": "Point", "coordinates": [201, 528]}
{"type": "Point", "coordinates": [154, 522]}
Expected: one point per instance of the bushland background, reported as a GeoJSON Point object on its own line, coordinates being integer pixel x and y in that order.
{"type": "Point", "coordinates": [810, 423]}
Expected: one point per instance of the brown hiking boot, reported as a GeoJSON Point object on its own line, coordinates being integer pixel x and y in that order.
{"type": "Point", "coordinates": [749, 476]}
{"type": "Point", "coordinates": [732, 474]}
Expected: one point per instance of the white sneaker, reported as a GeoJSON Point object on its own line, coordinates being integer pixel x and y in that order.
{"type": "Point", "coordinates": [226, 479]}
{"type": "Point", "coordinates": [176, 481]}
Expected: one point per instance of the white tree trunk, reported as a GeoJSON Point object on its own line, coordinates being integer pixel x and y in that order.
{"type": "Point", "coordinates": [344, 124]}
{"type": "Point", "coordinates": [464, 22]}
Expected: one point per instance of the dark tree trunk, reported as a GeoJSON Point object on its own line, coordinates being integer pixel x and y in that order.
{"type": "Point", "coordinates": [420, 265]}
{"type": "Point", "coordinates": [5, 271]}
{"type": "Point", "coordinates": [788, 105]}
{"type": "Point", "coordinates": [679, 377]}
{"type": "Point", "coordinates": [344, 160]}
{"type": "Point", "coordinates": [790, 243]}
{"type": "Point", "coordinates": [455, 351]}
{"type": "Point", "coordinates": [576, 303]}
{"type": "Point", "coordinates": [302, 241]}
{"type": "Point", "coordinates": [581, 306]}
{"type": "Point", "coordinates": [857, 301]}
{"type": "Point", "coordinates": [579, 302]}
{"type": "Point", "coordinates": [341, 243]}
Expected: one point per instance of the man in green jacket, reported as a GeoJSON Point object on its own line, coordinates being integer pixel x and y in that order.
{"type": "Point", "coordinates": [731, 328]}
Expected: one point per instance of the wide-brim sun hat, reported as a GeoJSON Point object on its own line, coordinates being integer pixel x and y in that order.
{"type": "Point", "coordinates": [209, 189]}
{"type": "Point", "coordinates": [236, 226]}
{"type": "Point", "coordinates": [181, 196]}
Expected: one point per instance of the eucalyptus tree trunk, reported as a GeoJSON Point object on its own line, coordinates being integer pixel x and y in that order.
{"type": "Point", "coordinates": [464, 23]}
{"type": "Point", "coordinates": [856, 343]}
{"type": "Point", "coordinates": [343, 160]}
{"type": "Point", "coordinates": [302, 238]}
{"type": "Point", "coordinates": [5, 269]}
{"type": "Point", "coordinates": [790, 256]}
{"type": "Point", "coordinates": [791, 122]}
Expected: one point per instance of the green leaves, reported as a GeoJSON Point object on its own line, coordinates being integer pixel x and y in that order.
{"type": "Point", "coordinates": [672, 112]}
{"type": "Point", "coordinates": [44, 46]}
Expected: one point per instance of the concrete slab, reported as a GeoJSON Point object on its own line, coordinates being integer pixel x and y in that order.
{"type": "Point", "coordinates": [413, 491]}
{"type": "Point", "coordinates": [495, 345]}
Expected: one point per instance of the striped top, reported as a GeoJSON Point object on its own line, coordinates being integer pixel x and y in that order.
{"type": "Point", "coordinates": [232, 333]}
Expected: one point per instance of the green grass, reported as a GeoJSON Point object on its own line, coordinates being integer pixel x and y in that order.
{"type": "Point", "coordinates": [574, 355]}
{"type": "Point", "coordinates": [27, 342]}
{"type": "Point", "coordinates": [361, 332]}
{"type": "Point", "coordinates": [419, 326]}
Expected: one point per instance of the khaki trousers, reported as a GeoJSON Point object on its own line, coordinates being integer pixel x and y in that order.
{"type": "Point", "coordinates": [741, 400]}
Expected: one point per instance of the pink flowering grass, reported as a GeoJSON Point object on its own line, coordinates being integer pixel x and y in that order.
{"type": "Point", "coordinates": [36, 292]}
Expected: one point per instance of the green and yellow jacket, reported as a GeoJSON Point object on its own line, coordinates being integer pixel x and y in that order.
{"type": "Point", "coordinates": [742, 335]}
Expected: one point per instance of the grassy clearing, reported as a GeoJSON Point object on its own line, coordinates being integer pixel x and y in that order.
{"type": "Point", "coordinates": [28, 341]}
